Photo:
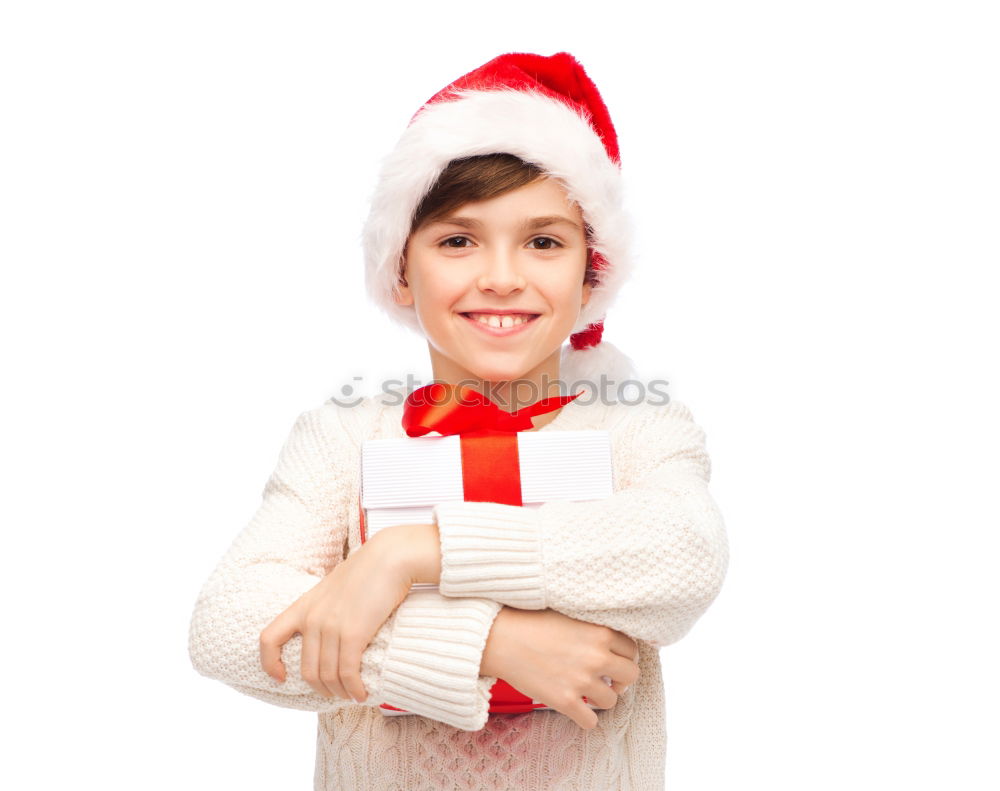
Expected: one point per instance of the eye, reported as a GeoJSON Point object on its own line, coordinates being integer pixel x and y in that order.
{"type": "Point", "coordinates": [447, 242]}
{"type": "Point", "coordinates": [552, 243]}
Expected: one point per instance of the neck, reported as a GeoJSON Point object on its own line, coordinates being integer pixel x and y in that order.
{"type": "Point", "coordinates": [540, 382]}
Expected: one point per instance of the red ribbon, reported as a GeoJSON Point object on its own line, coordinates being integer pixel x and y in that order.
{"type": "Point", "coordinates": [448, 409]}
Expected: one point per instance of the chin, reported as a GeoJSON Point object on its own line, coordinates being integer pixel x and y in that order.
{"type": "Point", "coordinates": [499, 372]}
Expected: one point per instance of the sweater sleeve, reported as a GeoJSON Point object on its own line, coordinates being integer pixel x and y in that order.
{"type": "Point", "coordinates": [647, 560]}
{"type": "Point", "coordinates": [425, 658]}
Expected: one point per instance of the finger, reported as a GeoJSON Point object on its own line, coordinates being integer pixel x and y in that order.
{"type": "Point", "coordinates": [350, 667]}
{"type": "Point", "coordinates": [272, 638]}
{"type": "Point", "coordinates": [622, 669]}
{"type": "Point", "coordinates": [617, 686]}
{"type": "Point", "coordinates": [625, 646]}
{"type": "Point", "coordinates": [581, 714]}
{"type": "Point", "coordinates": [311, 637]}
{"type": "Point", "coordinates": [601, 695]}
{"type": "Point", "coordinates": [329, 660]}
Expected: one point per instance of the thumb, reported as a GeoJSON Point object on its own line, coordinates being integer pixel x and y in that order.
{"type": "Point", "coordinates": [273, 637]}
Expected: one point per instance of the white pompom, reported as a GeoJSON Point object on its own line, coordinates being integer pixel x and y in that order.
{"type": "Point", "coordinates": [583, 368]}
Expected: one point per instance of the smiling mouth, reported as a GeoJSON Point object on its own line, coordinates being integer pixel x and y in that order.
{"type": "Point", "coordinates": [501, 320]}
{"type": "Point", "coordinates": [497, 324]}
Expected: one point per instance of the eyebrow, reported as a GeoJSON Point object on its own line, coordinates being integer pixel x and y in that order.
{"type": "Point", "coordinates": [529, 225]}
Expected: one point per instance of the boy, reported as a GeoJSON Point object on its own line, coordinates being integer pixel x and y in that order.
{"type": "Point", "coordinates": [502, 196]}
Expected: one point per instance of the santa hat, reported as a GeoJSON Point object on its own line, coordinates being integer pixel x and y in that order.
{"type": "Point", "coordinates": [548, 112]}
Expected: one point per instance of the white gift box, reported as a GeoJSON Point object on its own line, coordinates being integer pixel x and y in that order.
{"type": "Point", "coordinates": [403, 479]}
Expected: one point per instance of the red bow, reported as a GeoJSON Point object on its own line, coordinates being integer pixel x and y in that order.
{"type": "Point", "coordinates": [448, 409]}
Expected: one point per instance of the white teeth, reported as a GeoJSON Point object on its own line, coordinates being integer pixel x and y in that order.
{"type": "Point", "coordinates": [493, 320]}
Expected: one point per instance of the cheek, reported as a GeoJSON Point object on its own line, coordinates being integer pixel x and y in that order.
{"type": "Point", "coordinates": [439, 295]}
{"type": "Point", "coordinates": [565, 294]}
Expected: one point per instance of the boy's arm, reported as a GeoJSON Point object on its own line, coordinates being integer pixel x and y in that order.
{"type": "Point", "coordinates": [425, 658]}
{"type": "Point", "coordinates": [646, 561]}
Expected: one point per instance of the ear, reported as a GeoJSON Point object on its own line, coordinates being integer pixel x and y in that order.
{"type": "Point", "coordinates": [587, 287]}
{"type": "Point", "coordinates": [401, 294]}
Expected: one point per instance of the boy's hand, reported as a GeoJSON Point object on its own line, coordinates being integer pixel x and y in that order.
{"type": "Point", "coordinates": [556, 659]}
{"type": "Point", "coordinates": [338, 619]}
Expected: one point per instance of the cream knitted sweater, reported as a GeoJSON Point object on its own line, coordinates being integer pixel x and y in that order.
{"type": "Point", "coordinates": [647, 561]}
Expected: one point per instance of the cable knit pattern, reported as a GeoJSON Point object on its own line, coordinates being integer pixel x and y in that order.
{"type": "Point", "coordinates": [648, 561]}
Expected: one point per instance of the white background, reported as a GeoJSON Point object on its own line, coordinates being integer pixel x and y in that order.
{"type": "Point", "coordinates": [815, 189]}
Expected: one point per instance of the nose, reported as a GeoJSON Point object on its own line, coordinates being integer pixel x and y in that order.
{"type": "Point", "coordinates": [500, 273]}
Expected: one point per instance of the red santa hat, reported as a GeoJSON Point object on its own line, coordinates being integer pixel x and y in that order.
{"type": "Point", "coordinates": [546, 111]}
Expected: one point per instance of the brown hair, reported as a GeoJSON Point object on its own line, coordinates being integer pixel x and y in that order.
{"type": "Point", "coordinates": [477, 178]}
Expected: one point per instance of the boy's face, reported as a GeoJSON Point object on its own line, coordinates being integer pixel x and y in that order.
{"type": "Point", "coordinates": [522, 252]}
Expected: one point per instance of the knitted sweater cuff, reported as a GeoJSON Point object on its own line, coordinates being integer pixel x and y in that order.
{"type": "Point", "coordinates": [493, 551]}
{"type": "Point", "coordinates": [432, 662]}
